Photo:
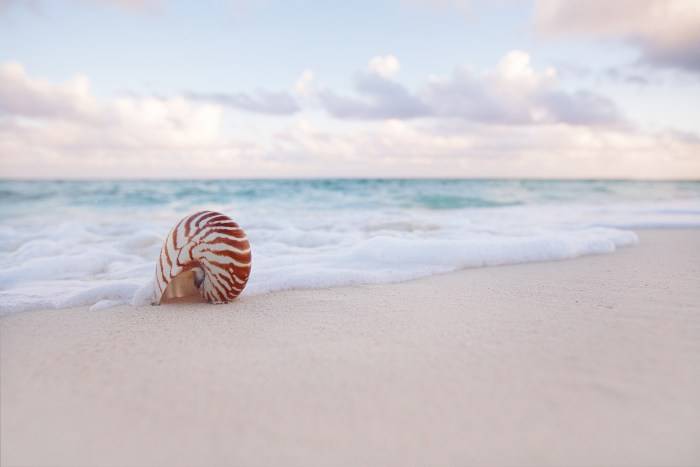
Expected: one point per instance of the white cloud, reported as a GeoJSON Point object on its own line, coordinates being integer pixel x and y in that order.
{"type": "Point", "coordinates": [379, 99]}
{"type": "Point", "coordinates": [264, 102]}
{"type": "Point", "coordinates": [464, 6]}
{"type": "Point", "coordinates": [305, 84]}
{"type": "Point", "coordinates": [63, 130]}
{"type": "Point", "coordinates": [512, 93]}
{"type": "Point", "coordinates": [22, 95]}
{"type": "Point", "coordinates": [380, 96]}
{"type": "Point", "coordinates": [515, 93]}
{"type": "Point", "coordinates": [39, 103]}
{"type": "Point", "coordinates": [394, 148]}
{"type": "Point", "coordinates": [667, 32]}
{"type": "Point", "coordinates": [385, 66]}
{"type": "Point", "coordinates": [44, 125]}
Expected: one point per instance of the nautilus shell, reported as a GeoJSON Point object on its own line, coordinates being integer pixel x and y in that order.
{"type": "Point", "coordinates": [206, 253]}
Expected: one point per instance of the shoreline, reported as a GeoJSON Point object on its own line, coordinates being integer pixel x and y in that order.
{"type": "Point", "coordinates": [591, 361]}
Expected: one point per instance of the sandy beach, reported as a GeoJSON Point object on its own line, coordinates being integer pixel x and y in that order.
{"type": "Point", "coordinates": [590, 362]}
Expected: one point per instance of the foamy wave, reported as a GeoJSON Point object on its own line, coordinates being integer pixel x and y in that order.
{"type": "Point", "coordinates": [383, 259]}
{"type": "Point", "coordinates": [102, 256]}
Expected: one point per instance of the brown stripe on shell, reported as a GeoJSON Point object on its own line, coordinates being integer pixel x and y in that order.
{"type": "Point", "coordinates": [222, 281]}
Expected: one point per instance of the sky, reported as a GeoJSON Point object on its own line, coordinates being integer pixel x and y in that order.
{"type": "Point", "coordinates": [384, 88]}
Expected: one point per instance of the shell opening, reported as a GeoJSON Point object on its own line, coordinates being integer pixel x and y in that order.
{"type": "Point", "coordinates": [184, 288]}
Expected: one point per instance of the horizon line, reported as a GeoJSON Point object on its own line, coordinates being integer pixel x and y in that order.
{"type": "Point", "coordinates": [321, 178]}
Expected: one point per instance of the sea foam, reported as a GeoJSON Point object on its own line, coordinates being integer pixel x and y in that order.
{"type": "Point", "coordinates": [63, 250]}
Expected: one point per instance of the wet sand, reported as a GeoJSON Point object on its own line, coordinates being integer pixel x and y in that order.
{"type": "Point", "coordinates": [594, 361]}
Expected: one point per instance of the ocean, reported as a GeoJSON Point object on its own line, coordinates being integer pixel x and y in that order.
{"type": "Point", "coordinates": [73, 243]}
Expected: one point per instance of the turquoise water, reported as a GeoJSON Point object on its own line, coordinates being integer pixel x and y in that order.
{"type": "Point", "coordinates": [67, 244]}
{"type": "Point", "coordinates": [363, 194]}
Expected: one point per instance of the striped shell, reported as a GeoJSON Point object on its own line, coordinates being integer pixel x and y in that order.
{"type": "Point", "coordinates": [214, 248]}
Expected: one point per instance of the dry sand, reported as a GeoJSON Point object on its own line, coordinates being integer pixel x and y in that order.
{"type": "Point", "coordinates": [589, 362]}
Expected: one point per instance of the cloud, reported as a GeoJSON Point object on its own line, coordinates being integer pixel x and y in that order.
{"type": "Point", "coordinates": [628, 75]}
{"type": "Point", "coordinates": [384, 66]}
{"type": "Point", "coordinates": [463, 6]}
{"type": "Point", "coordinates": [264, 102]}
{"type": "Point", "coordinates": [513, 93]}
{"type": "Point", "coordinates": [395, 148]}
{"type": "Point", "coordinates": [381, 99]}
{"type": "Point", "coordinates": [40, 103]}
{"type": "Point", "coordinates": [133, 5]}
{"type": "Point", "coordinates": [517, 94]}
{"type": "Point", "coordinates": [380, 96]}
{"type": "Point", "coordinates": [667, 32]}
{"type": "Point", "coordinates": [33, 97]}
{"type": "Point", "coordinates": [305, 84]}
{"type": "Point", "coordinates": [390, 148]}
{"type": "Point", "coordinates": [58, 130]}
{"type": "Point", "coordinates": [7, 4]}
{"type": "Point", "coordinates": [45, 125]}
{"type": "Point", "coordinates": [22, 95]}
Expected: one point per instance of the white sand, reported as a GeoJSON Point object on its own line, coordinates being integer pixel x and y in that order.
{"type": "Point", "coordinates": [588, 362]}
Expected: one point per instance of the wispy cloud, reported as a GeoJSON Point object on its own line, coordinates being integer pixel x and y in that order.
{"type": "Point", "coordinates": [42, 119]}
{"type": "Point", "coordinates": [32, 97]}
{"type": "Point", "coordinates": [379, 95]}
{"type": "Point", "coordinates": [513, 93]}
{"type": "Point", "coordinates": [666, 32]}
{"type": "Point", "coordinates": [264, 102]}
{"type": "Point", "coordinates": [379, 99]}
{"type": "Point", "coordinates": [64, 129]}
